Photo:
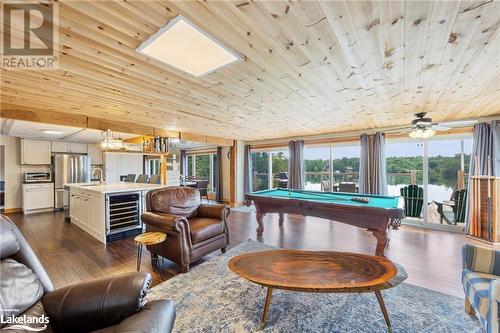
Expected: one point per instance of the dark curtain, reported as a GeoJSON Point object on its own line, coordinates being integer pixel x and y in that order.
{"type": "Point", "coordinates": [183, 163]}
{"type": "Point", "coordinates": [296, 164]}
{"type": "Point", "coordinates": [372, 174]}
{"type": "Point", "coordinates": [495, 131]}
{"type": "Point", "coordinates": [247, 172]}
{"type": "Point", "coordinates": [218, 175]}
{"type": "Point", "coordinates": [485, 143]}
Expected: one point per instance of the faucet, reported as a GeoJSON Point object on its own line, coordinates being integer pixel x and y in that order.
{"type": "Point", "coordinates": [100, 174]}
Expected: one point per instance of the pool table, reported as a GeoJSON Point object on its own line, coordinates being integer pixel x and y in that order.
{"type": "Point", "coordinates": [377, 215]}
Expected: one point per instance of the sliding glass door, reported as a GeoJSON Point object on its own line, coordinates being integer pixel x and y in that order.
{"type": "Point", "coordinates": [203, 167]}
{"type": "Point", "coordinates": [439, 168]}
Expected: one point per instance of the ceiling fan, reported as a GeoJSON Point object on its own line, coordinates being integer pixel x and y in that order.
{"type": "Point", "coordinates": [422, 127]}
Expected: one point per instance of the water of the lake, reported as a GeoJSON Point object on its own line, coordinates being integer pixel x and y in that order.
{"type": "Point", "coordinates": [436, 192]}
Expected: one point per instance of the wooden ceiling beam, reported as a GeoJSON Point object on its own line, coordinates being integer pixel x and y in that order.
{"type": "Point", "coordinates": [15, 112]}
{"type": "Point", "coordinates": [43, 116]}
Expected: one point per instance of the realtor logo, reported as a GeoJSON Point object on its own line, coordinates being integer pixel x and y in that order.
{"type": "Point", "coordinates": [30, 35]}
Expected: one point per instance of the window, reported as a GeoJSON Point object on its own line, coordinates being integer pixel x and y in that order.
{"type": "Point", "coordinates": [203, 167]}
{"type": "Point", "coordinates": [345, 165]}
{"type": "Point", "coordinates": [260, 170]}
{"type": "Point", "coordinates": [317, 168]}
{"type": "Point", "coordinates": [190, 166]}
{"type": "Point", "coordinates": [152, 164]}
{"type": "Point", "coordinates": [404, 164]}
{"type": "Point", "coordinates": [280, 168]}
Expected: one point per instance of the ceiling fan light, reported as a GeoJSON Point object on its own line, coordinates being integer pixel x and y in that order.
{"type": "Point", "coordinates": [419, 133]}
{"type": "Point", "coordinates": [428, 133]}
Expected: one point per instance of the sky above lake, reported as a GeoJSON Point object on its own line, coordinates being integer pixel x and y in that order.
{"type": "Point", "coordinates": [409, 148]}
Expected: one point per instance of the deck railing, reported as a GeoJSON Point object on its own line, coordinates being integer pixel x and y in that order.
{"type": "Point", "coordinates": [314, 178]}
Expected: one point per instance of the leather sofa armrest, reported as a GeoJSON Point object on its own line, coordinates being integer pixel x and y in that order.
{"type": "Point", "coordinates": [164, 221]}
{"type": "Point", "coordinates": [214, 211]}
{"type": "Point", "coordinates": [155, 316]}
{"type": "Point", "coordinates": [97, 304]}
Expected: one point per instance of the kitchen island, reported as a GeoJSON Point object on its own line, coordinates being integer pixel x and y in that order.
{"type": "Point", "coordinates": [108, 211]}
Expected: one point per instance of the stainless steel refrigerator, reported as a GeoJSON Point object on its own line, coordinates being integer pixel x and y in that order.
{"type": "Point", "coordinates": [69, 168]}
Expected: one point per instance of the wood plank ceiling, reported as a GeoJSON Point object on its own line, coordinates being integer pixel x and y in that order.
{"type": "Point", "coordinates": [309, 67]}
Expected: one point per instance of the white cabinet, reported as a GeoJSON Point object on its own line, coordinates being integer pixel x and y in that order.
{"type": "Point", "coordinates": [86, 211]}
{"type": "Point", "coordinates": [118, 164]}
{"type": "Point", "coordinates": [111, 172]}
{"type": "Point", "coordinates": [69, 147]}
{"type": "Point", "coordinates": [80, 148]}
{"type": "Point", "coordinates": [95, 153]}
{"type": "Point", "coordinates": [97, 221]}
{"type": "Point", "coordinates": [121, 164]}
{"type": "Point", "coordinates": [38, 197]}
{"type": "Point", "coordinates": [130, 163]}
{"type": "Point", "coordinates": [112, 176]}
{"type": "Point", "coordinates": [74, 207]}
{"type": "Point", "coordinates": [35, 152]}
{"type": "Point", "coordinates": [60, 147]}
{"type": "Point", "coordinates": [111, 161]}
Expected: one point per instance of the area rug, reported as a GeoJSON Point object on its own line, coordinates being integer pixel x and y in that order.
{"type": "Point", "coordinates": [244, 209]}
{"type": "Point", "coordinates": [210, 298]}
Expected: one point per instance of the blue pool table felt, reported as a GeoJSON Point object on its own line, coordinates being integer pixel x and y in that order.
{"type": "Point", "coordinates": [332, 197]}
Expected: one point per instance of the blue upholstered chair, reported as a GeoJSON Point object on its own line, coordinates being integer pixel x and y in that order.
{"type": "Point", "coordinates": [481, 282]}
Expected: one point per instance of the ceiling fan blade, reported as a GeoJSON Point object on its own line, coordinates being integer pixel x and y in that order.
{"type": "Point", "coordinates": [440, 127]}
{"type": "Point", "coordinates": [458, 123]}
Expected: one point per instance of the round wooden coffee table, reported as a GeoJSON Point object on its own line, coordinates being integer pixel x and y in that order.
{"type": "Point", "coordinates": [318, 271]}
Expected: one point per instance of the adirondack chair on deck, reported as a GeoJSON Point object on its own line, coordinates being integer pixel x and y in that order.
{"type": "Point", "coordinates": [458, 204]}
{"type": "Point", "coordinates": [414, 199]}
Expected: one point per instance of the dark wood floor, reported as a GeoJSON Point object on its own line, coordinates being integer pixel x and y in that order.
{"type": "Point", "coordinates": [431, 258]}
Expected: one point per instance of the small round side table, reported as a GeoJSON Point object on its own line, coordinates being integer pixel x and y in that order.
{"type": "Point", "coordinates": [152, 239]}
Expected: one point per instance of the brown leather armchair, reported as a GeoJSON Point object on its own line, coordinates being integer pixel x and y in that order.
{"type": "Point", "coordinates": [194, 229]}
{"type": "Point", "coordinates": [113, 305]}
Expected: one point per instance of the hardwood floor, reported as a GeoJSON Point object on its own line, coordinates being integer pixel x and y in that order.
{"type": "Point", "coordinates": [431, 258]}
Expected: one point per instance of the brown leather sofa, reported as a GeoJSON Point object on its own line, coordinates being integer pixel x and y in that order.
{"type": "Point", "coordinates": [109, 305]}
{"type": "Point", "coordinates": [193, 229]}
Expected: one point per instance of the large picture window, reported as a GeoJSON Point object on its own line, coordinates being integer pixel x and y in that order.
{"type": "Point", "coordinates": [438, 166]}
{"type": "Point", "coordinates": [260, 170]}
{"type": "Point", "coordinates": [317, 168]}
{"type": "Point", "coordinates": [326, 168]}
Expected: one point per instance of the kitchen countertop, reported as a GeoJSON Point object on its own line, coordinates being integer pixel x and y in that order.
{"type": "Point", "coordinates": [113, 188]}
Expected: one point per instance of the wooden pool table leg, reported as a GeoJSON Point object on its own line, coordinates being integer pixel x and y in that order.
{"type": "Point", "coordinates": [382, 241]}
{"type": "Point", "coordinates": [282, 218]}
{"type": "Point", "coordinates": [260, 217]}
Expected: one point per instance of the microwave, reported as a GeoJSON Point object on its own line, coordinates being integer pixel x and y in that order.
{"type": "Point", "coordinates": [32, 177]}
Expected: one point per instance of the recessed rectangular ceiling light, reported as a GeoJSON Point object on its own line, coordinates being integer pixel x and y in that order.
{"type": "Point", "coordinates": [185, 46]}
